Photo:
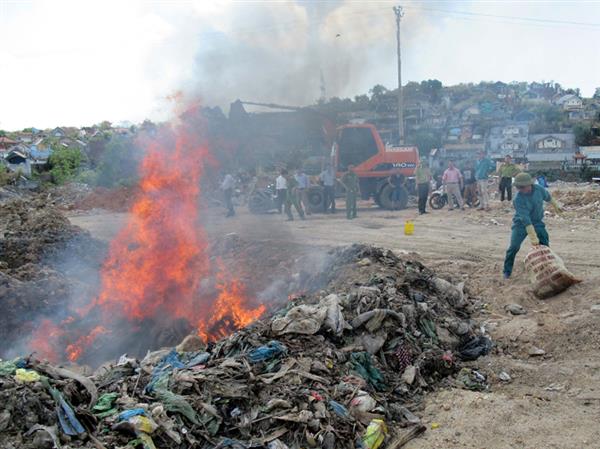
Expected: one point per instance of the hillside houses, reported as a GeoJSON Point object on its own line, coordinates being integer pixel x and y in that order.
{"type": "Point", "coordinates": [511, 139]}
{"type": "Point", "coordinates": [547, 151]}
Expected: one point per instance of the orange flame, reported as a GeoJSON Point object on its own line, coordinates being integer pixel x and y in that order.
{"type": "Point", "coordinates": [74, 350]}
{"type": "Point", "coordinates": [157, 261]}
{"type": "Point", "coordinates": [230, 311]}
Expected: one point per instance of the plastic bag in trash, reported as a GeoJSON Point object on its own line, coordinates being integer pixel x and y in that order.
{"type": "Point", "coordinates": [26, 375]}
{"type": "Point", "coordinates": [375, 434]}
{"type": "Point", "coordinates": [475, 347]}
{"type": "Point", "coordinates": [269, 351]}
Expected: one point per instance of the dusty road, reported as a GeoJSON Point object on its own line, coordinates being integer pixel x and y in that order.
{"type": "Point", "coordinates": [552, 401]}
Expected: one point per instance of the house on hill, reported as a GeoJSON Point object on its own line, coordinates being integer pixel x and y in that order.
{"type": "Point", "coordinates": [570, 102]}
{"type": "Point", "coordinates": [510, 139]}
{"type": "Point", "coordinates": [58, 132]}
{"type": "Point", "coordinates": [6, 143]}
{"type": "Point", "coordinates": [551, 151]}
{"type": "Point", "coordinates": [16, 160]}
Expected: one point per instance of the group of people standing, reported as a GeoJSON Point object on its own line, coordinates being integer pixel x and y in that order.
{"type": "Point", "coordinates": [292, 190]}
{"type": "Point", "coordinates": [475, 181]}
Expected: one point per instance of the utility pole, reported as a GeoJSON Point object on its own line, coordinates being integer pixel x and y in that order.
{"type": "Point", "coordinates": [399, 13]}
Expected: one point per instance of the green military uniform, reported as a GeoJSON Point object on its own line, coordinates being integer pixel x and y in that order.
{"type": "Point", "coordinates": [509, 170]}
{"type": "Point", "coordinates": [292, 198]}
{"type": "Point", "coordinates": [350, 181]}
{"type": "Point", "coordinates": [529, 212]}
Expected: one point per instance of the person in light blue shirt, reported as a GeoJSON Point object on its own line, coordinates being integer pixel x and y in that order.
{"type": "Point", "coordinates": [483, 167]}
{"type": "Point", "coordinates": [303, 185]}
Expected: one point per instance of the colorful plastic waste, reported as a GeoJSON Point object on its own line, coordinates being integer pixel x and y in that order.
{"type": "Point", "coordinates": [375, 434]}
{"type": "Point", "coordinates": [271, 350]}
{"type": "Point", "coordinates": [27, 375]}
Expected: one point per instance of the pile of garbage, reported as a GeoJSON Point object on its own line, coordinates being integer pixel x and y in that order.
{"type": "Point", "coordinates": [36, 241]}
{"type": "Point", "coordinates": [582, 203]}
{"type": "Point", "coordinates": [343, 367]}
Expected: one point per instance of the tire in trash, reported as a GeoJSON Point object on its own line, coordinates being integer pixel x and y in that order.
{"type": "Point", "coordinates": [384, 198]}
{"type": "Point", "coordinates": [316, 198]}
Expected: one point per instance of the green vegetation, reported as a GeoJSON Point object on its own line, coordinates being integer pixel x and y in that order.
{"type": "Point", "coordinates": [64, 164]}
{"type": "Point", "coordinates": [583, 134]}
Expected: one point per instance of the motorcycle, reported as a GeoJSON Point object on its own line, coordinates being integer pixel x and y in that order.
{"type": "Point", "coordinates": [439, 198]}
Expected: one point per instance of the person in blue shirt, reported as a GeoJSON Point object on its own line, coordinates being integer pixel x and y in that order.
{"type": "Point", "coordinates": [528, 219]}
{"type": "Point", "coordinates": [483, 167]}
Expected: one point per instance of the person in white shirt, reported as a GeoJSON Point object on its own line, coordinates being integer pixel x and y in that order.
{"type": "Point", "coordinates": [281, 189]}
{"type": "Point", "coordinates": [227, 186]}
{"type": "Point", "coordinates": [303, 185]}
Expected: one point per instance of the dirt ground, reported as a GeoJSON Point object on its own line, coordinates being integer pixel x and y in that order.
{"type": "Point", "coordinates": [551, 401]}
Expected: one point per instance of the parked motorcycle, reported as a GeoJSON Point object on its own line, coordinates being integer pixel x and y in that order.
{"type": "Point", "coordinates": [439, 198]}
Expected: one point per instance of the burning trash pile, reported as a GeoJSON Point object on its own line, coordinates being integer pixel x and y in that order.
{"type": "Point", "coordinates": [582, 203]}
{"type": "Point", "coordinates": [342, 367]}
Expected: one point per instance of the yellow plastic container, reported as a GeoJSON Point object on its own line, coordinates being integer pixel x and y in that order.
{"type": "Point", "coordinates": [409, 227]}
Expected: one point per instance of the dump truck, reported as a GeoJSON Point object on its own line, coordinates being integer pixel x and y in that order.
{"type": "Point", "coordinates": [361, 145]}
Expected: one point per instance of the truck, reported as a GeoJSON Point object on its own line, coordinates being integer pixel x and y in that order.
{"type": "Point", "coordinates": [361, 145]}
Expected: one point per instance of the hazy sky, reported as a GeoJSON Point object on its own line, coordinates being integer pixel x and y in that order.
{"type": "Point", "coordinates": [81, 62]}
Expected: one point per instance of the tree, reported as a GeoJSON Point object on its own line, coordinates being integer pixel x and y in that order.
{"type": "Point", "coordinates": [433, 89]}
{"type": "Point", "coordinates": [427, 139]}
{"type": "Point", "coordinates": [377, 93]}
{"type": "Point", "coordinates": [361, 101]}
{"type": "Point", "coordinates": [105, 125]}
{"type": "Point", "coordinates": [64, 164]}
{"type": "Point", "coordinates": [583, 134]}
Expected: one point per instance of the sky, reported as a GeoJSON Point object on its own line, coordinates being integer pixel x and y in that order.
{"type": "Point", "coordinates": [76, 63]}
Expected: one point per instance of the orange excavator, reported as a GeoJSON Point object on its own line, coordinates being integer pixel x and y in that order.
{"type": "Point", "coordinates": [361, 145]}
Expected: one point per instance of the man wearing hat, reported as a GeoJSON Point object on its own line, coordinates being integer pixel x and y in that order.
{"type": "Point", "coordinates": [528, 218]}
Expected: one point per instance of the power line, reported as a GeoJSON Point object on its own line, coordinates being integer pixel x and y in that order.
{"type": "Point", "coordinates": [517, 18]}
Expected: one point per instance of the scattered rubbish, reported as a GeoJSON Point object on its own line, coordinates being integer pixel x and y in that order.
{"type": "Point", "coordinates": [362, 365]}
{"type": "Point", "coordinates": [271, 350]}
{"type": "Point", "coordinates": [547, 272]}
{"type": "Point", "coordinates": [536, 352]}
{"type": "Point", "coordinates": [363, 402]}
{"type": "Point", "coordinates": [325, 371]}
{"type": "Point", "coordinates": [408, 376]}
{"type": "Point", "coordinates": [504, 376]}
{"type": "Point", "coordinates": [26, 375]}
{"type": "Point", "coordinates": [339, 409]}
{"type": "Point", "coordinates": [472, 379]}
{"type": "Point", "coordinates": [375, 434]}
{"type": "Point", "coordinates": [435, 425]}
{"type": "Point", "coordinates": [595, 308]}
{"type": "Point", "coordinates": [475, 347]}
{"type": "Point", "coordinates": [104, 407]}
{"type": "Point", "coordinates": [515, 309]}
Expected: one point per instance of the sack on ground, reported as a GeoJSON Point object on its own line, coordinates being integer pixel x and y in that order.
{"type": "Point", "coordinates": [547, 272]}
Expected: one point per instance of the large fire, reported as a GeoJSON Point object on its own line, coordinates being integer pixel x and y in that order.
{"type": "Point", "coordinates": [157, 262]}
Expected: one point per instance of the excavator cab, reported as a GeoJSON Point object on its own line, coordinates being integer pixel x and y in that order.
{"type": "Point", "coordinates": [358, 144]}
